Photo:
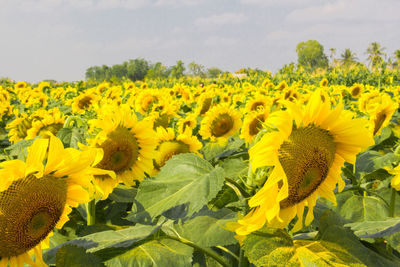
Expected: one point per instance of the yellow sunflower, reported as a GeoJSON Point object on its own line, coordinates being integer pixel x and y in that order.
{"type": "Point", "coordinates": [306, 150]}
{"type": "Point", "coordinates": [35, 197]}
{"type": "Point", "coordinates": [51, 121]}
{"type": "Point", "coordinates": [187, 123]}
{"type": "Point", "coordinates": [258, 102]}
{"type": "Point", "coordinates": [356, 90]}
{"type": "Point", "coordinates": [220, 123]}
{"type": "Point", "coordinates": [169, 145]}
{"type": "Point", "coordinates": [323, 82]}
{"type": "Point", "coordinates": [128, 145]}
{"type": "Point", "coordinates": [380, 117]}
{"type": "Point", "coordinates": [84, 101]}
{"type": "Point", "coordinates": [252, 124]}
{"type": "Point", "coordinates": [18, 128]}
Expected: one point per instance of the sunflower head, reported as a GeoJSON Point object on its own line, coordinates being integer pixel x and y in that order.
{"type": "Point", "coordinates": [306, 146]}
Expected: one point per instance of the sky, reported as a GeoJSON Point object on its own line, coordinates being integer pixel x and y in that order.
{"type": "Point", "coordinates": [60, 39]}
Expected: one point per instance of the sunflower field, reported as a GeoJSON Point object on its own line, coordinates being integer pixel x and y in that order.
{"type": "Point", "coordinates": [290, 169]}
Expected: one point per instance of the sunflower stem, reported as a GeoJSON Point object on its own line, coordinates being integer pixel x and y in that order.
{"type": "Point", "coordinates": [243, 261]}
{"type": "Point", "coordinates": [91, 212]}
{"type": "Point", "coordinates": [209, 252]}
{"type": "Point", "coordinates": [392, 202]}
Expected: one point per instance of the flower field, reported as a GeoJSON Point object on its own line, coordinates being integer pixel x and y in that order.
{"type": "Point", "coordinates": [290, 169]}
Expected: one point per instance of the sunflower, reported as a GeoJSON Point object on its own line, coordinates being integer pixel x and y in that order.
{"type": "Point", "coordinates": [323, 82]}
{"type": "Point", "coordinates": [36, 197]}
{"type": "Point", "coordinates": [356, 90]}
{"type": "Point", "coordinates": [84, 102]}
{"type": "Point", "coordinates": [257, 102]}
{"type": "Point", "coordinates": [381, 116]}
{"type": "Point", "coordinates": [220, 123]}
{"type": "Point", "coordinates": [306, 149]}
{"type": "Point", "coordinates": [252, 124]}
{"type": "Point", "coordinates": [128, 145]}
{"type": "Point", "coordinates": [18, 128]}
{"type": "Point", "coordinates": [51, 121]}
{"type": "Point", "coordinates": [187, 123]}
{"type": "Point", "coordinates": [169, 145]}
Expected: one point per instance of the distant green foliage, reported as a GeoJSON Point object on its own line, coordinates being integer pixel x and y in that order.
{"type": "Point", "coordinates": [311, 55]}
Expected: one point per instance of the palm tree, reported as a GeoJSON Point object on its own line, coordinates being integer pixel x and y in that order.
{"type": "Point", "coordinates": [375, 53]}
{"type": "Point", "coordinates": [348, 58]}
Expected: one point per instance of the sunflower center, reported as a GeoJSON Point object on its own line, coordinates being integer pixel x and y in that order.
{"type": "Point", "coordinates": [306, 158]}
{"type": "Point", "coordinates": [221, 125]}
{"type": "Point", "coordinates": [121, 150]}
{"type": "Point", "coordinates": [257, 105]}
{"type": "Point", "coordinates": [256, 125]}
{"type": "Point", "coordinates": [85, 102]}
{"type": "Point", "coordinates": [205, 106]}
{"type": "Point", "coordinates": [29, 210]}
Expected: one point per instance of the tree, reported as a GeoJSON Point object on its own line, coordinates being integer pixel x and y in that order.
{"type": "Point", "coordinates": [156, 71]}
{"type": "Point", "coordinates": [348, 58]}
{"type": "Point", "coordinates": [196, 69]}
{"type": "Point", "coordinates": [375, 53]}
{"type": "Point", "coordinates": [213, 72]}
{"type": "Point", "coordinates": [137, 69]}
{"type": "Point", "coordinates": [397, 58]}
{"type": "Point", "coordinates": [311, 55]}
{"type": "Point", "coordinates": [178, 69]}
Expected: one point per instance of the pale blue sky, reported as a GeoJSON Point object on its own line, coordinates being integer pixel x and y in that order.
{"type": "Point", "coordinates": [60, 39]}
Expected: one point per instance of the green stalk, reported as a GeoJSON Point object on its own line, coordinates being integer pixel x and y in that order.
{"type": "Point", "coordinates": [209, 252]}
{"type": "Point", "coordinates": [91, 212]}
{"type": "Point", "coordinates": [392, 202]}
{"type": "Point", "coordinates": [243, 262]}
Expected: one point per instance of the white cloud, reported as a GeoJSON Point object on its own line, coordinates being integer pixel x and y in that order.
{"type": "Point", "coordinates": [280, 3]}
{"type": "Point", "coordinates": [221, 19]}
{"type": "Point", "coordinates": [178, 3]}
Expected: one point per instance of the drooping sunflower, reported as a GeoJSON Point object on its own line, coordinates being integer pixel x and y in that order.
{"type": "Point", "coordinates": [18, 128]}
{"type": "Point", "coordinates": [380, 117]}
{"type": "Point", "coordinates": [220, 123]}
{"type": "Point", "coordinates": [252, 124]}
{"type": "Point", "coordinates": [169, 145]}
{"type": "Point", "coordinates": [35, 197]}
{"type": "Point", "coordinates": [128, 145]}
{"type": "Point", "coordinates": [306, 150]}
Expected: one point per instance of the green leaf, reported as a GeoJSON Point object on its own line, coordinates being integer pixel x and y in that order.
{"type": "Point", "coordinates": [185, 179]}
{"type": "Point", "coordinates": [158, 253]}
{"type": "Point", "coordinates": [19, 149]}
{"type": "Point", "coordinates": [371, 160]}
{"type": "Point", "coordinates": [123, 194]}
{"type": "Point", "coordinates": [364, 208]}
{"type": "Point", "coordinates": [375, 229]}
{"type": "Point", "coordinates": [234, 168]}
{"type": "Point", "coordinates": [73, 256]}
{"type": "Point", "coordinates": [108, 242]}
{"type": "Point", "coordinates": [270, 247]}
{"type": "Point", "coordinates": [211, 150]}
{"type": "Point", "coordinates": [71, 136]}
{"type": "Point", "coordinates": [207, 229]}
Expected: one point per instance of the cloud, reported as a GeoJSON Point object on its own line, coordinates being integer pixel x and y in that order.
{"type": "Point", "coordinates": [220, 19]}
{"type": "Point", "coordinates": [178, 3]}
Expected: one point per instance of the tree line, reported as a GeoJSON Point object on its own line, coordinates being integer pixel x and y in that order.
{"type": "Point", "coordinates": [310, 54]}
{"type": "Point", "coordinates": [140, 69]}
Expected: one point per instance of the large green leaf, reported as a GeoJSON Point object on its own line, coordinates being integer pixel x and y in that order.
{"type": "Point", "coordinates": [207, 229]}
{"type": "Point", "coordinates": [107, 243]}
{"type": "Point", "coordinates": [73, 256]}
{"type": "Point", "coordinates": [270, 247]}
{"type": "Point", "coordinates": [371, 160]}
{"type": "Point", "coordinates": [71, 136]}
{"type": "Point", "coordinates": [364, 208]}
{"type": "Point", "coordinates": [160, 253]}
{"type": "Point", "coordinates": [186, 179]}
{"type": "Point", "coordinates": [234, 168]}
{"type": "Point", "coordinates": [375, 229]}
